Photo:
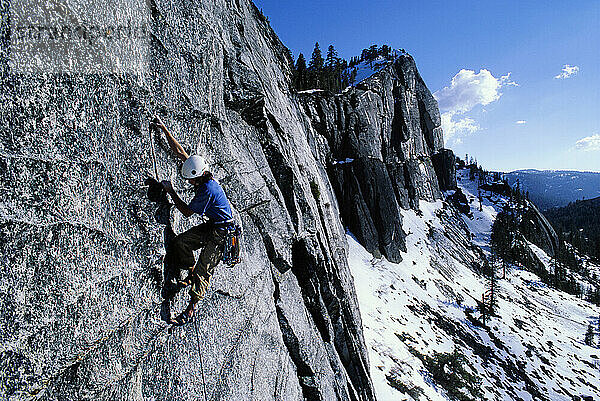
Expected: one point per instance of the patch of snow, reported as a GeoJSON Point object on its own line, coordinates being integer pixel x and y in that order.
{"type": "Point", "coordinates": [309, 91]}
{"type": "Point", "coordinates": [420, 303]}
{"type": "Point", "coordinates": [366, 69]}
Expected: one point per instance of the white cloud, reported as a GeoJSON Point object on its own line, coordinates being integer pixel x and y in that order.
{"type": "Point", "coordinates": [567, 71]}
{"type": "Point", "coordinates": [466, 91]}
{"type": "Point", "coordinates": [506, 81]}
{"type": "Point", "coordinates": [521, 122]}
{"type": "Point", "coordinates": [454, 131]}
{"type": "Point", "coordinates": [589, 143]}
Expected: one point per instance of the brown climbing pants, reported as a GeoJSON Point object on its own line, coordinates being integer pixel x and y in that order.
{"type": "Point", "coordinates": [180, 256]}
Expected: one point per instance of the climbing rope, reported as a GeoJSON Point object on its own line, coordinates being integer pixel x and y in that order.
{"type": "Point", "coordinates": [153, 155]}
{"type": "Point", "coordinates": [148, 103]}
{"type": "Point", "coordinates": [200, 356]}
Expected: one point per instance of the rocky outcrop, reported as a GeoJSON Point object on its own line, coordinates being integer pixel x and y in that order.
{"type": "Point", "coordinates": [384, 146]}
{"type": "Point", "coordinates": [81, 251]}
{"type": "Point", "coordinates": [537, 229]}
{"type": "Point", "coordinates": [459, 200]}
{"type": "Point", "coordinates": [444, 164]}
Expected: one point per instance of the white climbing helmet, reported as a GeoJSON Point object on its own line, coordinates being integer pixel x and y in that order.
{"type": "Point", "coordinates": [193, 167]}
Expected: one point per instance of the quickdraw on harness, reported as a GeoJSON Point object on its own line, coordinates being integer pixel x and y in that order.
{"type": "Point", "coordinates": [231, 251]}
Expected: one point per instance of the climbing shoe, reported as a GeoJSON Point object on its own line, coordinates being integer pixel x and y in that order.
{"type": "Point", "coordinates": [182, 319]}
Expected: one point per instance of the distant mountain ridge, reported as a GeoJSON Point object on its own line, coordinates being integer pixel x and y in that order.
{"type": "Point", "coordinates": [556, 188]}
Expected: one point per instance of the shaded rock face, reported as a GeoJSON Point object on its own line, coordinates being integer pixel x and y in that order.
{"type": "Point", "coordinates": [459, 200]}
{"type": "Point", "coordinates": [81, 252]}
{"type": "Point", "coordinates": [383, 143]}
{"type": "Point", "coordinates": [444, 164]}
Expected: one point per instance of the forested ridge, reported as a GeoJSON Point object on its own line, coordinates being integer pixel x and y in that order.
{"type": "Point", "coordinates": [579, 224]}
{"type": "Point", "coordinates": [520, 222]}
{"type": "Point", "coordinates": [332, 72]}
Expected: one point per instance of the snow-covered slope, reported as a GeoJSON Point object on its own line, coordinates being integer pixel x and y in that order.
{"type": "Point", "coordinates": [533, 350]}
{"type": "Point", "coordinates": [365, 69]}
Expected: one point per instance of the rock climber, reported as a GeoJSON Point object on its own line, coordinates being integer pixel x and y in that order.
{"type": "Point", "coordinates": [210, 202]}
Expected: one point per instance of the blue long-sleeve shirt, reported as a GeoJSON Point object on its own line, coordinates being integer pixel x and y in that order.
{"type": "Point", "coordinates": [210, 200]}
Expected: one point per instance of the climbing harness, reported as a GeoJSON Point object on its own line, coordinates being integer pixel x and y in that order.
{"type": "Point", "coordinates": [232, 249]}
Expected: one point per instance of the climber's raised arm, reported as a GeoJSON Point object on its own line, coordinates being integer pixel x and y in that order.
{"type": "Point", "coordinates": [175, 146]}
{"type": "Point", "coordinates": [179, 203]}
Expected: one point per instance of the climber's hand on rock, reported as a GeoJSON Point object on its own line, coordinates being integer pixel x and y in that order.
{"type": "Point", "coordinates": [168, 186]}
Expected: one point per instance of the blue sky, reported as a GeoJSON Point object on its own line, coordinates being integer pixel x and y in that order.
{"type": "Point", "coordinates": [548, 53]}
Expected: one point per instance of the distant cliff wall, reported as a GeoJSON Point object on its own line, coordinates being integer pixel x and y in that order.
{"type": "Point", "coordinates": [384, 146]}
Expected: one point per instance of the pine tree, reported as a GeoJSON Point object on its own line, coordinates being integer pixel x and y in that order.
{"type": "Point", "coordinates": [289, 57]}
{"type": "Point", "coordinates": [332, 59]}
{"type": "Point", "coordinates": [503, 235]}
{"type": "Point", "coordinates": [491, 294]}
{"type": "Point", "coordinates": [353, 75]}
{"type": "Point", "coordinates": [364, 55]}
{"type": "Point", "coordinates": [315, 67]}
{"type": "Point", "coordinates": [593, 295]}
{"type": "Point", "coordinates": [345, 75]}
{"type": "Point", "coordinates": [372, 53]}
{"type": "Point", "coordinates": [300, 79]}
{"type": "Point", "coordinates": [589, 336]}
{"type": "Point", "coordinates": [386, 51]}
{"type": "Point", "coordinates": [332, 69]}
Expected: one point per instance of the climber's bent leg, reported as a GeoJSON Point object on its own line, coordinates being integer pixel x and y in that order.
{"type": "Point", "coordinates": [211, 255]}
{"type": "Point", "coordinates": [180, 256]}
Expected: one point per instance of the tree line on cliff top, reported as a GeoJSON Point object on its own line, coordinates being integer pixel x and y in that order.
{"type": "Point", "coordinates": [332, 72]}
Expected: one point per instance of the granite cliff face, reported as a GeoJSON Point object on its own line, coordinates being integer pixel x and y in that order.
{"type": "Point", "coordinates": [81, 251]}
{"type": "Point", "coordinates": [384, 146]}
